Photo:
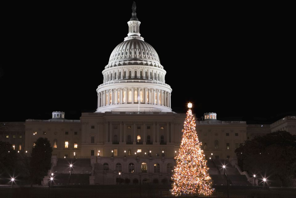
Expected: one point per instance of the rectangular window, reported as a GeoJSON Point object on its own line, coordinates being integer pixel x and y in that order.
{"type": "Point", "coordinates": [227, 146]}
{"type": "Point", "coordinates": [66, 144]}
{"type": "Point", "coordinates": [92, 127]}
{"type": "Point", "coordinates": [13, 136]}
{"type": "Point", "coordinates": [55, 144]}
{"type": "Point", "coordinates": [20, 136]}
{"type": "Point", "coordinates": [20, 147]}
{"type": "Point", "coordinates": [227, 134]}
{"type": "Point", "coordinates": [75, 133]}
{"type": "Point", "coordinates": [115, 152]}
{"type": "Point", "coordinates": [35, 133]}
{"type": "Point", "coordinates": [139, 150]}
{"type": "Point", "coordinates": [138, 127]}
{"type": "Point", "coordinates": [7, 136]}
{"type": "Point", "coordinates": [74, 154]}
{"type": "Point", "coordinates": [13, 146]}
{"type": "Point", "coordinates": [236, 134]}
{"type": "Point", "coordinates": [92, 139]}
{"type": "Point", "coordinates": [75, 145]}
{"type": "Point", "coordinates": [66, 133]}
{"type": "Point", "coordinates": [148, 127]}
{"type": "Point", "coordinates": [236, 145]}
{"type": "Point", "coordinates": [92, 152]}
{"type": "Point", "coordinates": [44, 133]}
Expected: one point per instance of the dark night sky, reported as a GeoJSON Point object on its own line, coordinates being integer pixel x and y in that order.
{"type": "Point", "coordinates": [234, 58]}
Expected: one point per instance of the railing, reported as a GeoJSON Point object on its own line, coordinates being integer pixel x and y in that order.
{"type": "Point", "coordinates": [128, 81]}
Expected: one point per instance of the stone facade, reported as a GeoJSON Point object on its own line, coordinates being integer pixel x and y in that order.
{"type": "Point", "coordinates": [287, 123]}
{"type": "Point", "coordinates": [14, 133]}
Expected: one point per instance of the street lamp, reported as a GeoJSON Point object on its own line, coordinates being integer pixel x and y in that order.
{"type": "Point", "coordinates": [264, 181]}
{"type": "Point", "coordinates": [71, 167]}
{"type": "Point", "coordinates": [12, 180]}
{"type": "Point", "coordinates": [224, 168]}
{"type": "Point", "coordinates": [254, 177]}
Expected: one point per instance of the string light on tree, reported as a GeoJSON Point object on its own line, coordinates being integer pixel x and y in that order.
{"type": "Point", "coordinates": [190, 175]}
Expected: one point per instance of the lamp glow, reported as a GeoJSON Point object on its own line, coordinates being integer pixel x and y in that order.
{"type": "Point", "coordinates": [190, 105]}
{"type": "Point", "coordinates": [264, 179]}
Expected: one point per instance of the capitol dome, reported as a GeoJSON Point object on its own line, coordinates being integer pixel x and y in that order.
{"type": "Point", "coordinates": [134, 51]}
{"type": "Point", "coordinates": [134, 79]}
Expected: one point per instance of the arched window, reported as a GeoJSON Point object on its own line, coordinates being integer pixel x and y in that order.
{"type": "Point", "coordinates": [216, 144]}
{"type": "Point", "coordinates": [119, 167]}
{"type": "Point", "coordinates": [169, 168]}
{"type": "Point", "coordinates": [105, 166]}
{"type": "Point", "coordinates": [131, 168]}
{"type": "Point", "coordinates": [156, 168]}
{"type": "Point", "coordinates": [143, 167]}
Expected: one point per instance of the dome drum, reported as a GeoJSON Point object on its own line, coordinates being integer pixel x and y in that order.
{"type": "Point", "coordinates": [131, 98]}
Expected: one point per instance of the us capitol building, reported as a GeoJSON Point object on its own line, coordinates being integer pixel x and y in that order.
{"type": "Point", "coordinates": [134, 131]}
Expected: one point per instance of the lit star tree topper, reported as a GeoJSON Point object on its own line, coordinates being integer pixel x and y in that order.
{"type": "Point", "coordinates": [190, 174]}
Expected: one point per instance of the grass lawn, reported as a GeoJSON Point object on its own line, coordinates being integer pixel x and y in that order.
{"type": "Point", "coordinates": [136, 191]}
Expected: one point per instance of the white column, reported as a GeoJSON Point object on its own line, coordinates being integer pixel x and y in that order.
{"type": "Point", "coordinates": [104, 98]}
{"type": "Point", "coordinates": [132, 95]}
{"type": "Point", "coordinates": [162, 98]}
{"type": "Point", "coordinates": [126, 96]}
{"type": "Point", "coordinates": [112, 96]}
{"type": "Point", "coordinates": [99, 104]}
{"type": "Point", "coordinates": [116, 96]}
{"type": "Point", "coordinates": [158, 97]}
{"type": "Point", "coordinates": [107, 92]}
{"type": "Point", "coordinates": [121, 96]}
{"type": "Point", "coordinates": [154, 96]}
{"type": "Point", "coordinates": [138, 94]}
{"type": "Point", "coordinates": [145, 93]}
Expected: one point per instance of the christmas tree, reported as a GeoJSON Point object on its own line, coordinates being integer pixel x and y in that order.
{"type": "Point", "coordinates": [191, 172]}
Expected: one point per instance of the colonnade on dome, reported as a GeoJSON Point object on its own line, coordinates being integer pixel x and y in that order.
{"type": "Point", "coordinates": [131, 73]}
{"type": "Point", "coordinates": [134, 96]}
